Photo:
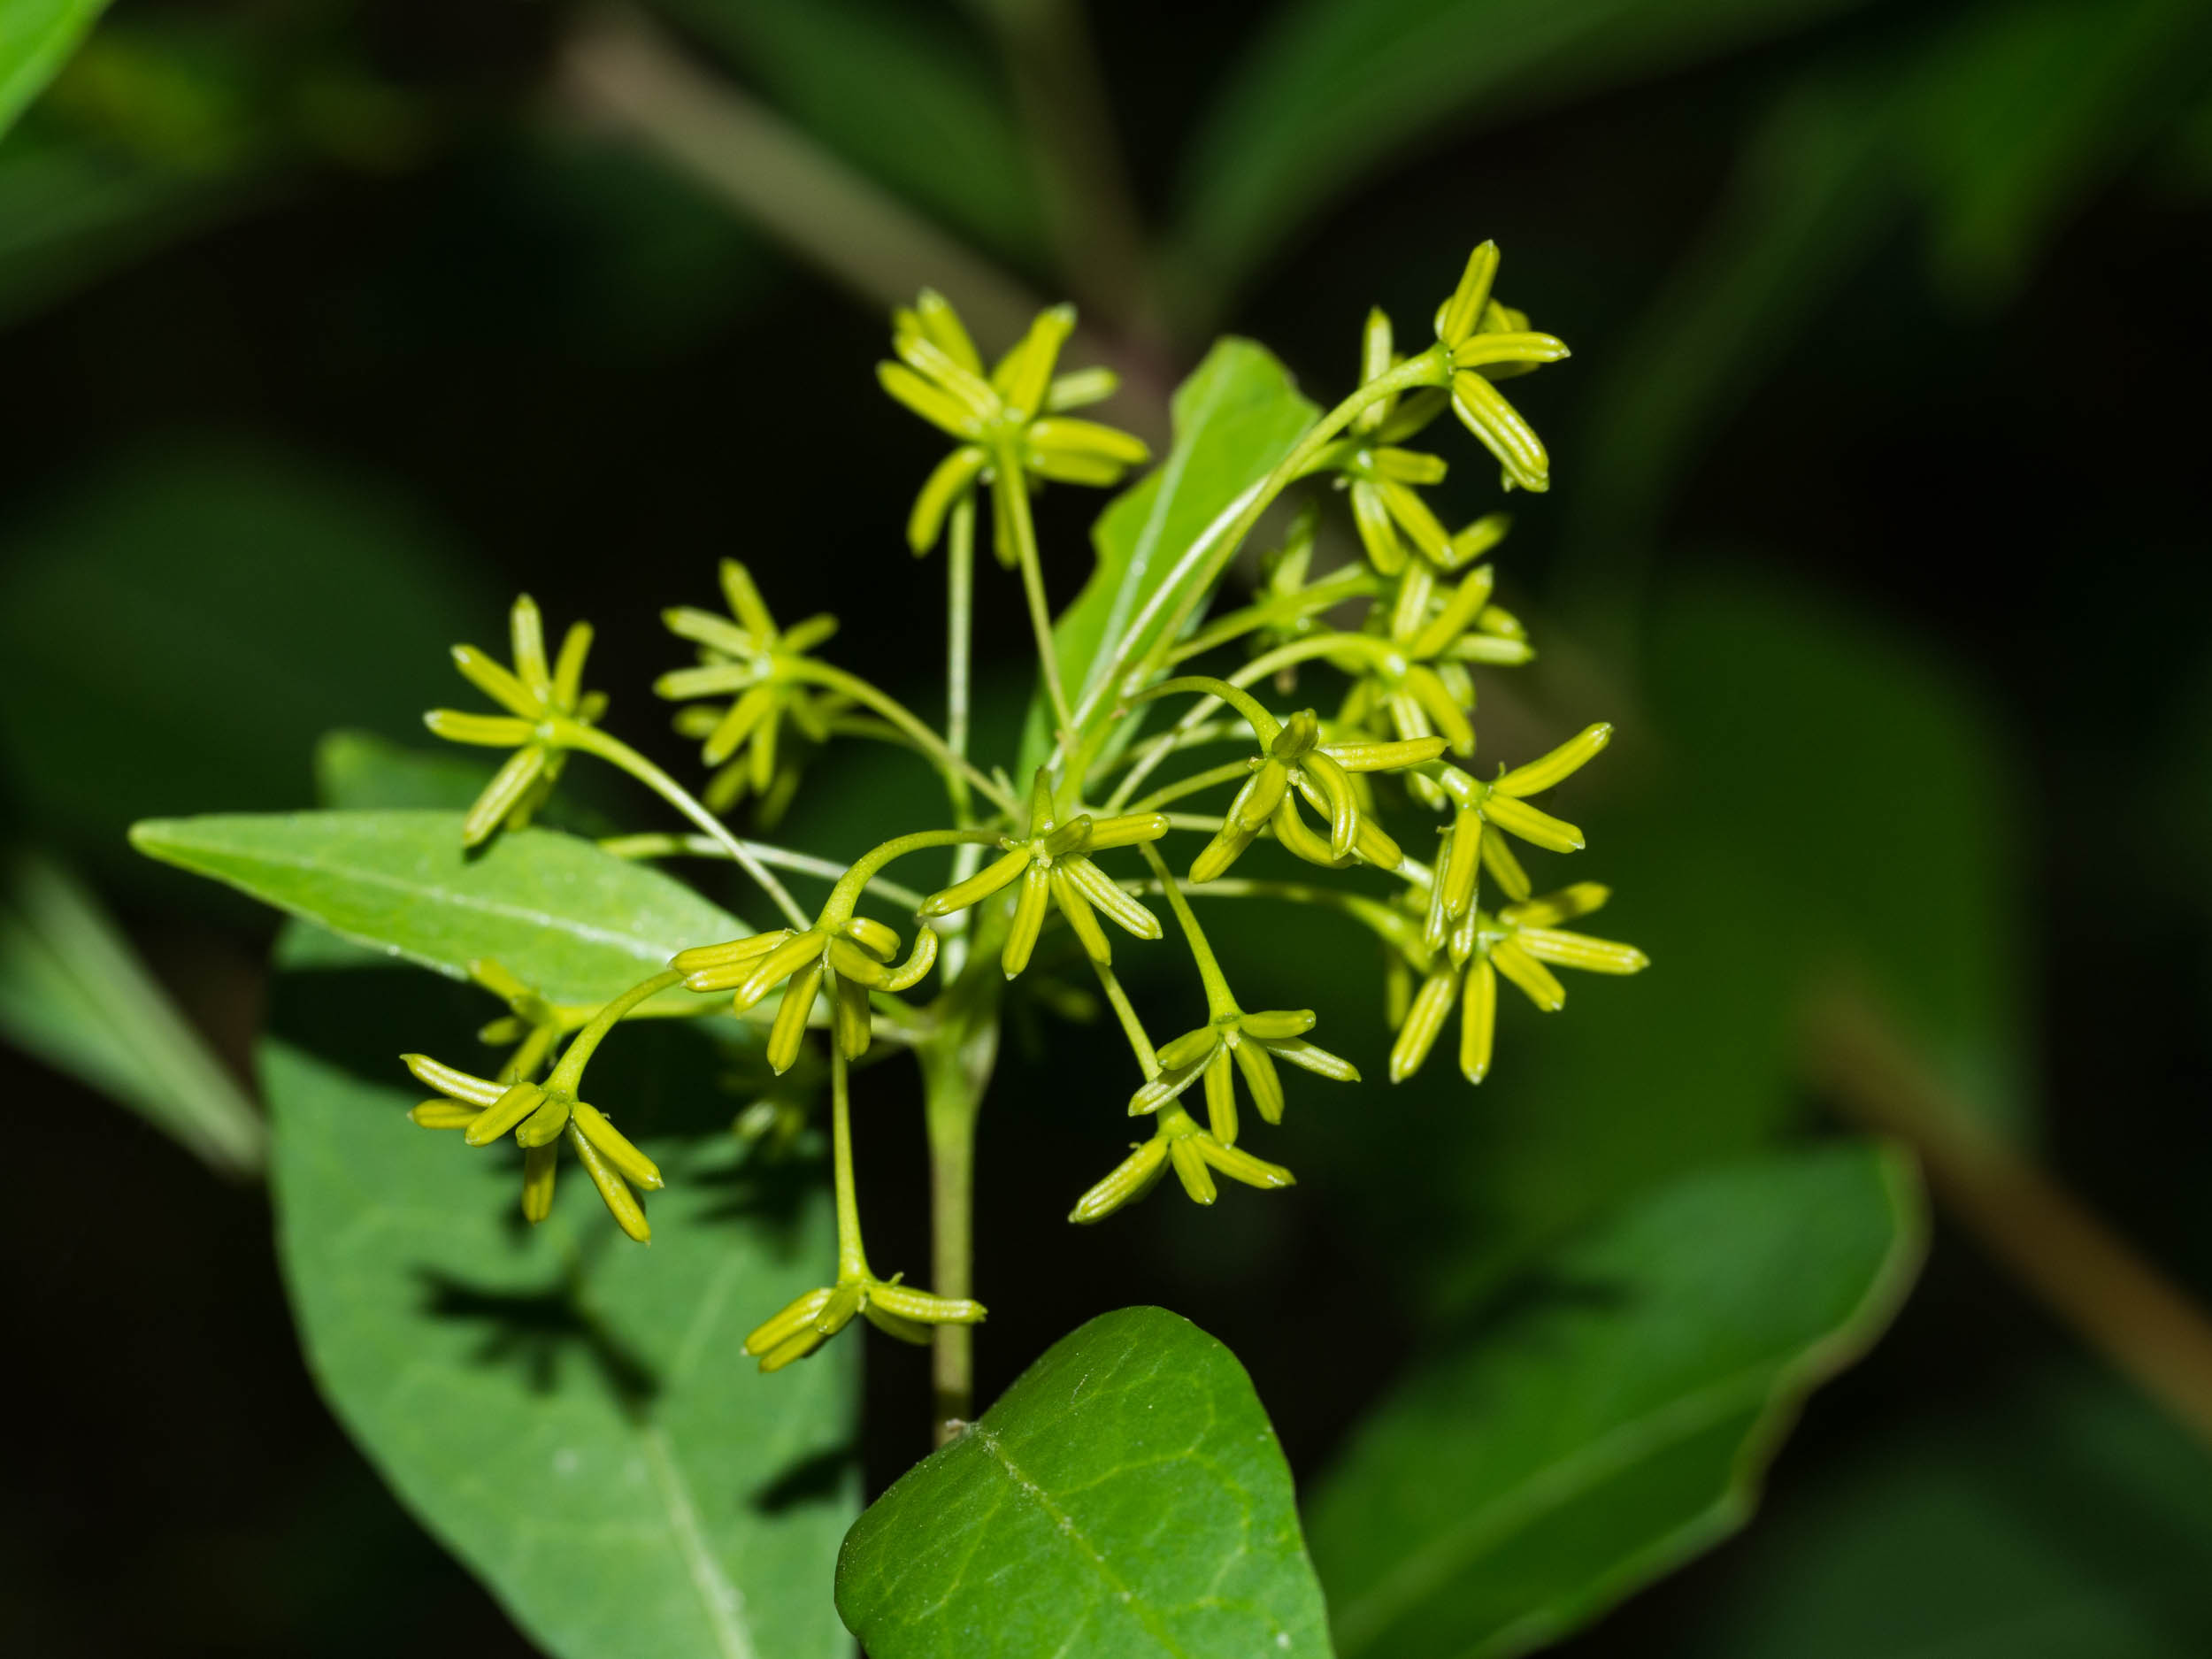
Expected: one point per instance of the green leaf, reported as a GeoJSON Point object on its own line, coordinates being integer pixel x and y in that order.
{"type": "Point", "coordinates": [360, 771]}
{"type": "Point", "coordinates": [2052, 1513]}
{"type": "Point", "coordinates": [1124, 1496]}
{"type": "Point", "coordinates": [2024, 110]}
{"type": "Point", "coordinates": [936, 124]}
{"type": "Point", "coordinates": [1616, 1420]}
{"type": "Point", "coordinates": [36, 38]}
{"type": "Point", "coordinates": [577, 924]}
{"type": "Point", "coordinates": [1236, 416]}
{"type": "Point", "coordinates": [73, 992]}
{"type": "Point", "coordinates": [178, 628]}
{"type": "Point", "coordinates": [571, 1413]}
{"type": "Point", "coordinates": [1336, 86]}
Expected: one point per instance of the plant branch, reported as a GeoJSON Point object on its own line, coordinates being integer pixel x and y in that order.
{"type": "Point", "coordinates": [2085, 1273]}
{"type": "Point", "coordinates": [621, 71]}
{"type": "Point", "coordinates": [1089, 203]}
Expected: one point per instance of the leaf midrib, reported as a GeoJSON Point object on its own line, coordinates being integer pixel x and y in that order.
{"type": "Point", "coordinates": [212, 856]}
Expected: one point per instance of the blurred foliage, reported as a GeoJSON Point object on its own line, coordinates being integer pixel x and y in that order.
{"type": "Point", "coordinates": [1883, 772]}
{"type": "Point", "coordinates": [1615, 1417]}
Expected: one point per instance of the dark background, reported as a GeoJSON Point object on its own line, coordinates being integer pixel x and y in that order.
{"type": "Point", "coordinates": [579, 374]}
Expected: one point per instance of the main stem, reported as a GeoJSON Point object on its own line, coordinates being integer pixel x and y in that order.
{"type": "Point", "coordinates": [957, 1066]}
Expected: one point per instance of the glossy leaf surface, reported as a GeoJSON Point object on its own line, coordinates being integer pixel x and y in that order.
{"type": "Point", "coordinates": [568, 1412]}
{"type": "Point", "coordinates": [577, 924]}
{"type": "Point", "coordinates": [1125, 1496]}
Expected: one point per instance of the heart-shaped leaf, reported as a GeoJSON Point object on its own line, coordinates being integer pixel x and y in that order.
{"type": "Point", "coordinates": [1125, 1496]}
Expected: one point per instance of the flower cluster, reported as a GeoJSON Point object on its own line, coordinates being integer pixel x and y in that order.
{"type": "Point", "coordinates": [1407, 624]}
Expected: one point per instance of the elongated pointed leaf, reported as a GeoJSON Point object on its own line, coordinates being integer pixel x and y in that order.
{"type": "Point", "coordinates": [36, 37]}
{"type": "Point", "coordinates": [74, 992]}
{"type": "Point", "coordinates": [1616, 1421]}
{"type": "Point", "coordinates": [577, 924]}
{"type": "Point", "coordinates": [1236, 417]}
{"type": "Point", "coordinates": [1125, 1496]}
{"type": "Point", "coordinates": [570, 1413]}
{"type": "Point", "coordinates": [1336, 87]}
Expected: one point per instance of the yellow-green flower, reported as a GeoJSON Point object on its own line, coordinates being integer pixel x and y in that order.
{"type": "Point", "coordinates": [1502, 803]}
{"type": "Point", "coordinates": [1292, 763]}
{"type": "Point", "coordinates": [1418, 676]}
{"type": "Point", "coordinates": [745, 653]}
{"type": "Point", "coordinates": [1052, 862]}
{"type": "Point", "coordinates": [1192, 1153]}
{"type": "Point", "coordinates": [540, 1116]}
{"type": "Point", "coordinates": [1286, 607]}
{"type": "Point", "coordinates": [539, 699]}
{"type": "Point", "coordinates": [819, 1315]}
{"type": "Point", "coordinates": [1014, 419]}
{"type": "Point", "coordinates": [1519, 942]}
{"type": "Point", "coordinates": [1485, 341]}
{"type": "Point", "coordinates": [1235, 1042]}
{"type": "Point", "coordinates": [848, 958]}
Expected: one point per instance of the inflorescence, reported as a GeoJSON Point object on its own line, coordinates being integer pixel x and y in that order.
{"type": "Point", "coordinates": [1083, 843]}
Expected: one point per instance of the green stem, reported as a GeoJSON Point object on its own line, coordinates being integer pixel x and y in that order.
{"type": "Point", "coordinates": [1192, 785]}
{"type": "Point", "coordinates": [1353, 582]}
{"type": "Point", "coordinates": [570, 1071]}
{"type": "Point", "coordinates": [956, 1070]}
{"type": "Point", "coordinates": [959, 636]}
{"type": "Point", "coordinates": [1210, 554]}
{"type": "Point", "coordinates": [592, 740]}
{"type": "Point", "coordinates": [1218, 1001]}
{"type": "Point", "coordinates": [1264, 725]}
{"type": "Point", "coordinates": [852, 1259]}
{"type": "Point", "coordinates": [1132, 1028]}
{"type": "Point", "coordinates": [1012, 491]}
{"type": "Point", "coordinates": [957, 768]}
{"type": "Point", "coordinates": [959, 631]}
{"type": "Point", "coordinates": [659, 845]}
{"type": "Point", "coordinates": [838, 909]}
{"type": "Point", "coordinates": [1191, 719]}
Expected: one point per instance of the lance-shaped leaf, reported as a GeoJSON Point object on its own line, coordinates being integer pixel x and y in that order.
{"type": "Point", "coordinates": [1125, 1496]}
{"type": "Point", "coordinates": [36, 38]}
{"type": "Point", "coordinates": [1614, 1421]}
{"type": "Point", "coordinates": [576, 924]}
{"type": "Point", "coordinates": [1235, 418]}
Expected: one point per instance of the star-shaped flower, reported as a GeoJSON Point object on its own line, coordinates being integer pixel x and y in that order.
{"type": "Point", "coordinates": [1235, 1042]}
{"type": "Point", "coordinates": [1016, 413]}
{"type": "Point", "coordinates": [1192, 1153]}
{"type": "Point", "coordinates": [1417, 675]}
{"type": "Point", "coordinates": [1052, 862]}
{"type": "Point", "coordinates": [847, 956]}
{"type": "Point", "coordinates": [1518, 942]}
{"type": "Point", "coordinates": [1293, 762]}
{"type": "Point", "coordinates": [538, 700]}
{"type": "Point", "coordinates": [1484, 343]}
{"type": "Point", "coordinates": [745, 653]}
{"type": "Point", "coordinates": [819, 1315]}
{"type": "Point", "coordinates": [540, 1116]}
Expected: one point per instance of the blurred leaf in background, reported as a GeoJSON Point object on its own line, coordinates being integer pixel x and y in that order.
{"type": "Point", "coordinates": [177, 629]}
{"type": "Point", "coordinates": [2055, 1516]}
{"type": "Point", "coordinates": [36, 37]}
{"type": "Point", "coordinates": [1615, 1417]}
{"type": "Point", "coordinates": [74, 992]}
